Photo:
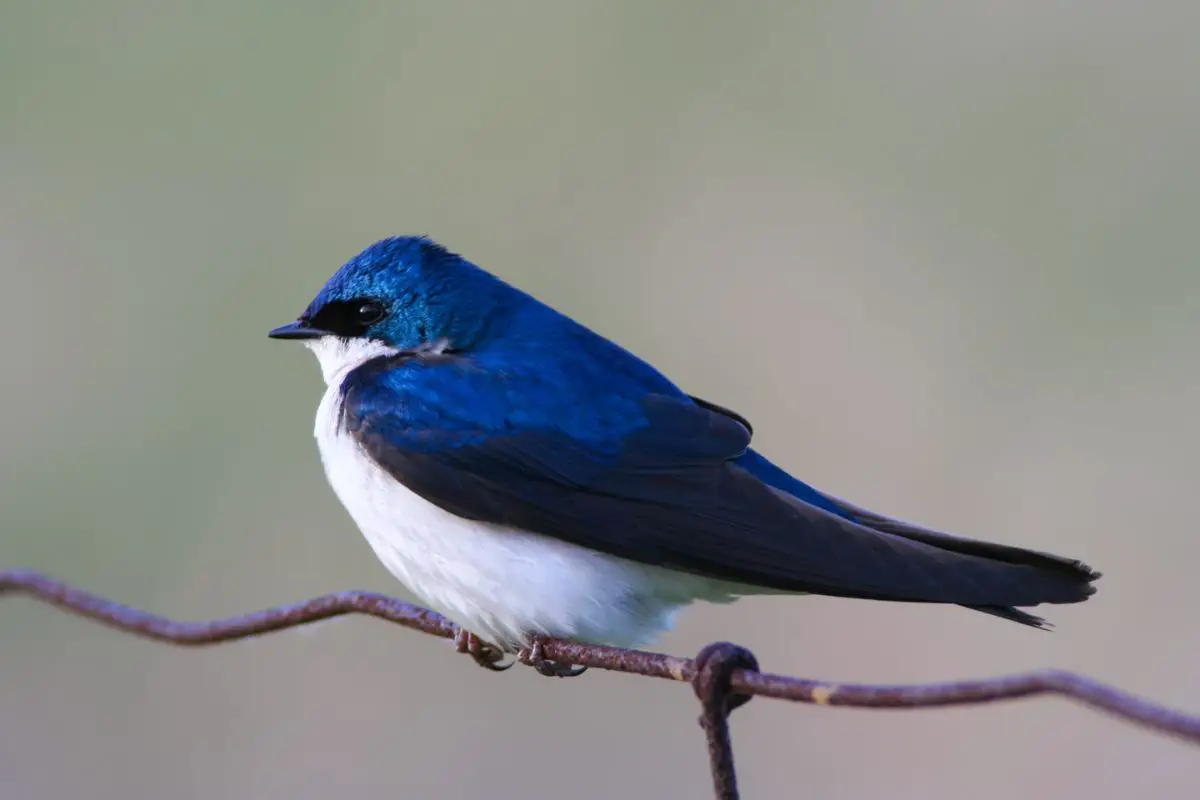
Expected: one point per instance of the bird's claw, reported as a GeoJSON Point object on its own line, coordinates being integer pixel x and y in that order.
{"type": "Point", "coordinates": [485, 655]}
{"type": "Point", "coordinates": [531, 655]}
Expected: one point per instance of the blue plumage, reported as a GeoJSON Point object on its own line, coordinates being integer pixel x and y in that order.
{"type": "Point", "coordinates": [497, 410]}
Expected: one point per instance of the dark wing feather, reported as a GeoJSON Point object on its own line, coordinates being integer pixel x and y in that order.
{"type": "Point", "coordinates": [663, 487]}
{"type": "Point", "coordinates": [1070, 569]}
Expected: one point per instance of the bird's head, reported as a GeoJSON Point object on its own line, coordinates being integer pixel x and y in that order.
{"type": "Point", "coordinates": [405, 294]}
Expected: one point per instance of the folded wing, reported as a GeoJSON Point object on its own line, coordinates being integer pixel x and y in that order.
{"type": "Point", "coordinates": [666, 482]}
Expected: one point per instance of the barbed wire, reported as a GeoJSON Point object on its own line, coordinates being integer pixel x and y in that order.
{"type": "Point", "coordinates": [724, 676]}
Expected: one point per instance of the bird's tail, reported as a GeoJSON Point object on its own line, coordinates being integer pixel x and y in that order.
{"type": "Point", "coordinates": [1053, 579]}
{"type": "Point", "coordinates": [908, 563]}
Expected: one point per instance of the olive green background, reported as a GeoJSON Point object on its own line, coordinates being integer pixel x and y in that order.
{"type": "Point", "coordinates": [944, 255]}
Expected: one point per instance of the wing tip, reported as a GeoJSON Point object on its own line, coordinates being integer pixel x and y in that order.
{"type": "Point", "coordinates": [1015, 615]}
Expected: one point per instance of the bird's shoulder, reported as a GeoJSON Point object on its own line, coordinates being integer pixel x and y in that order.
{"type": "Point", "coordinates": [576, 394]}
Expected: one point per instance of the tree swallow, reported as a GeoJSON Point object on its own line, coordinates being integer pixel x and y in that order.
{"type": "Point", "coordinates": [528, 478]}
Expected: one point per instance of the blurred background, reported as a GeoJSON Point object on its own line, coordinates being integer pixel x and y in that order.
{"type": "Point", "coordinates": [942, 254]}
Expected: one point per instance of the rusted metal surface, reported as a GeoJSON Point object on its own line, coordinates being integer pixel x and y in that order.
{"type": "Point", "coordinates": [737, 669]}
{"type": "Point", "coordinates": [1080, 688]}
{"type": "Point", "coordinates": [715, 666]}
{"type": "Point", "coordinates": [153, 626]}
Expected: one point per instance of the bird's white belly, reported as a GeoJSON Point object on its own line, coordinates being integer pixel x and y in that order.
{"type": "Point", "coordinates": [500, 583]}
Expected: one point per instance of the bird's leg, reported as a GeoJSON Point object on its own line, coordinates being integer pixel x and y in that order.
{"type": "Point", "coordinates": [531, 655]}
{"type": "Point", "coordinates": [485, 655]}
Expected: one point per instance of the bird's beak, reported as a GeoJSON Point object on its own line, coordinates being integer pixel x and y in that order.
{"type": "Point", "coordinates": [295, 330]}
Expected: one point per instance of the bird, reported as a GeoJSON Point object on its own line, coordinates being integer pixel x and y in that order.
{"type": "Point", "coordinates": [530, 479]}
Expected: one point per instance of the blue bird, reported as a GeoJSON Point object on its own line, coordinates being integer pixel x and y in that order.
{"type": "Point", "coordinates": [528, 478]}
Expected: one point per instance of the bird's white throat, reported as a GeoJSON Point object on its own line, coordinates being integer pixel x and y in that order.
{"type": "Point", "coordinates": [338, 356]}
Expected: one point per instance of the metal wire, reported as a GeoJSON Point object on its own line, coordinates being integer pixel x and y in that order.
{"type": "Point", "coordinates": [714, 667]}
{"type": "Point", "coordinates": [724, 676]}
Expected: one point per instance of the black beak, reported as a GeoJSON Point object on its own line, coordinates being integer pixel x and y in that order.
{"type": "Point", "coordinates": [295, 330]}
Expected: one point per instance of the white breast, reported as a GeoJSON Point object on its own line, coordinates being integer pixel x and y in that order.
{"type": "Point", "coordinates": [500, 583]}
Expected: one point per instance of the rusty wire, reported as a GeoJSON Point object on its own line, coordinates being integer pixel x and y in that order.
{"type": "Point", "coordinates": [714, 667]}
{"type": "Point", "coordinates": [723, 676]}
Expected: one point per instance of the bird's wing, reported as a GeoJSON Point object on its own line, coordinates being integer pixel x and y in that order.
{"type": "Point", "coordinates": [653, 479]}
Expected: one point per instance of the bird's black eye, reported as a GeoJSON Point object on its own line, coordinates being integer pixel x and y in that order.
{"type": "Point", "coordinates": [348, 318]}
{"type": "Point", "coordinates": [369, 312]}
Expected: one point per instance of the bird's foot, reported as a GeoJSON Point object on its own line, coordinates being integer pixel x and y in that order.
{"type": "Point", "coordinates": [531, 655]}
{"type": "Point", "coordinates": [486, 655]}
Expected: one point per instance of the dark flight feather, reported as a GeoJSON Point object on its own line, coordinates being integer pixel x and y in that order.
{"type": "Point", "coordinates": [667, 480]}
